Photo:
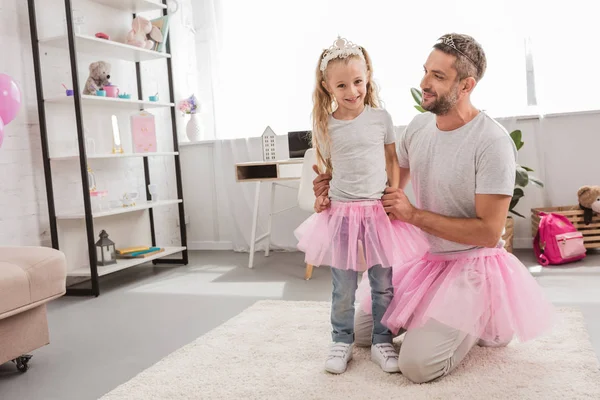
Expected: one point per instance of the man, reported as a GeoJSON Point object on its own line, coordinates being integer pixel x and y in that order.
{"type": "Point", "coordinates": [462, 166]}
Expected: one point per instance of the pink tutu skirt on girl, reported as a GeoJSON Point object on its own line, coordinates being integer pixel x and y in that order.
{"type": "Point", "coordinates": [358, 235]}
{"type": "Point", "coordinates": [487, 293]}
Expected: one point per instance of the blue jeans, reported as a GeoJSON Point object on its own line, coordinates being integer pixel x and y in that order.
{"type": "Point", "coordinates": [345, 283]}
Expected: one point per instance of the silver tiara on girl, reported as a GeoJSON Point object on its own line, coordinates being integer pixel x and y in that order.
{"type": "Point", "coordinates": [341, 48]}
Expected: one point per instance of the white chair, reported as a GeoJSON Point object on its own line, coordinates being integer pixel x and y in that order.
{"type": "Point", "coordinates": [306, 196]}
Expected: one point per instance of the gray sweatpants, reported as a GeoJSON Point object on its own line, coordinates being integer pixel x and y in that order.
{"type": "Point", "coordinates": [428, 352]}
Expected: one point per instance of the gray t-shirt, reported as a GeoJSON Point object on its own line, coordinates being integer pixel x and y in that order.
{"type": "Point", "coordinates": [447, 168]}
{"type": "Point", "coordinates": [358, 155]}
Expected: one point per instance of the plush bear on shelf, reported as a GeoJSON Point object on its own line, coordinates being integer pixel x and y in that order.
{"type": "Point", "coordinates": [141, 33]}
{"type": "Point", "coordinates": [589, 201]}
{"type": "Point", "coordinates": [99, 77]}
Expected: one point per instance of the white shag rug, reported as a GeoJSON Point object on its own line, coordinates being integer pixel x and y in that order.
{"type": "Point", "coordinates": [276, 350]}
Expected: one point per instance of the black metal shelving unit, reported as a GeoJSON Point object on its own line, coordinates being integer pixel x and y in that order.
{"type": "Point", "coordinates": [94, 289]}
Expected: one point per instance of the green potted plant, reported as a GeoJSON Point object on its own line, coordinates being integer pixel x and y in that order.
{"type": "Point", "coordinates": [522, 176]}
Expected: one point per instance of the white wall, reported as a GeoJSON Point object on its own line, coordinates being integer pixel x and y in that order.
{"type": "Point", "coordinates": [563, 151]}
{"type": "Point", "coordinates": [23, 212]}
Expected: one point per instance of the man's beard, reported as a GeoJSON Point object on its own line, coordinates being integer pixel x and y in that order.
{"type": "Point", "coordinates": [444, 103]}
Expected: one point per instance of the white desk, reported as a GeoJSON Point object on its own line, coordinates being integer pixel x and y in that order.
{"type": "Point", "coordinates": [273, 172]}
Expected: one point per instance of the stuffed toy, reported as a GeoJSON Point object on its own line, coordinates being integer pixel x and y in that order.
{"type": "Point", "coordinates": [589, 201]}
{"type": "Point", "coordinates": [99, 77]}
{"type": "Point", "coordinates": [141, 33]}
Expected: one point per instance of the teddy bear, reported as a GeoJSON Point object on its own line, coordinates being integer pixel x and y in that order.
{"type": "Point", "coordinates": [141, 33]}
{"type": "Point", "coordinates": [589, 202]}
{"type": "Point", "coordinates": [98, 78]}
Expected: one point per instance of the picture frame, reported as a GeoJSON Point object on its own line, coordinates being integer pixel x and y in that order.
{"type": "Point", "coordinates": [143, 132]}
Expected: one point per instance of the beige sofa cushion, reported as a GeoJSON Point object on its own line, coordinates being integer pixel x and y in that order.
{"type": "Point", "coordinates": [30, 275]}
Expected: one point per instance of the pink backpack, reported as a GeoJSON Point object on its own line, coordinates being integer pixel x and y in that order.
{"type": "Point", "coordinates": [557, 241]}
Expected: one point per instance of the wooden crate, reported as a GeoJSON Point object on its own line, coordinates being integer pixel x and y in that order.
{"type": "Point", "coordinates": [591, 232]}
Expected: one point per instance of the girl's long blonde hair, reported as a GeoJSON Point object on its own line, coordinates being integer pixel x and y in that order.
{"type": "Point", "coordinates": [323, 107]}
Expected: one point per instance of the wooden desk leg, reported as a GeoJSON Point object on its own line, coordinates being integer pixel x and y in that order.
{"type": "Point", "coordinates": [254, 222]}
{"type": "Point", "coordinates": [308, 273]}
{"type": "Point", "coordinates": [270, 219]}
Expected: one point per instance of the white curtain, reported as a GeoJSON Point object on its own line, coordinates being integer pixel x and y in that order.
{"type": "Point", "coordinates": [257, 59]}
{"type": "Point", "coordinates": [564, 44]}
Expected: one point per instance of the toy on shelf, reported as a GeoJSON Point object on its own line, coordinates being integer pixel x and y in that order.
{"type": "Point", "coordinates": [111, 90]}
{"type": "Point", "coordinates": [142, 33]}
{"type": "Point", "coordinates": [154, 97]}
{"type": "Point", "coordinates": [68, 91]}
{"type": "Point", "coordinates": [98, 78]}
{"type": "Point", "coordinates": [143, 130]}
{"type": "Point", "coordinates": [128, 199]}
{"type": "Point", "coordinates": [102, 35]}
{"type": "Point", "coordinates": [126, 96]}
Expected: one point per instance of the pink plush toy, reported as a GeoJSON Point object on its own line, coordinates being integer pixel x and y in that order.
{"type": "Point", "coordinates": [139, 34]}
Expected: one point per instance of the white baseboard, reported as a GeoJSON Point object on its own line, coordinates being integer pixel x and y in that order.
{"type": "Point", "coordinates": [522, 243]}
{"type": "Point", "coordinates": [208, 245]}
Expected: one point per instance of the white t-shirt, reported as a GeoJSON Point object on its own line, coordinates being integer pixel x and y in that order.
{"type": "Point", "coordinates": [358, 155]}
{"type": "Point", "coordinates": [447, 168]}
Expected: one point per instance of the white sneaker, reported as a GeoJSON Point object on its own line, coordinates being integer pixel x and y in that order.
{"type": "Point", "coordinates": [339, 355]}
{"type": "Point", "coordinates": [385, 355]}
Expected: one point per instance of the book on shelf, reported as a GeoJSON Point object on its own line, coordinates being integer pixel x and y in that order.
{"type": "Point", "coordinates": [132, 249]}
{"type": "Point", "coordinates": [159, 33]}
{"type": "Point", "coordinates": [143, 253]}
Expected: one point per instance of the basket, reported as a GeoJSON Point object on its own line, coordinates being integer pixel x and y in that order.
{"type": "Point", "coordinates": [509, 231]}
{"type": "Point", "coordinates": [591, 232]}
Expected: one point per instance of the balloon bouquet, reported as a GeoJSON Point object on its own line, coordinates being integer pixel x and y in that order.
{"type": "Point", "coordinates": [10, 101]}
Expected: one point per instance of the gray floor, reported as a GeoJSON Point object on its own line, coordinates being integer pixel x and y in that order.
{"type": "Point", "coordinates": [146, 313]}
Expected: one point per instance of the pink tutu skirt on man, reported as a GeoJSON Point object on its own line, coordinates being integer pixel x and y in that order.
{"type": "Point", "coordinates": [358, 235]}
{"type": "Point", "coordinates": [487, 293]}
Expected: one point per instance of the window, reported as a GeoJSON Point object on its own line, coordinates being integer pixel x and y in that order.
{"type": "Point", "coordinates": [267, 63]}
{"type": "Point", "coordinates": [564, 52]}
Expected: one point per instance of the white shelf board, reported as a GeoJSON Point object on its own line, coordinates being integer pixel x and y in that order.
{"type": "Point", "coordinates": [102, 48]}
{"type": "Point", "coordinates": [132, 103]}
{"type": "Point", "coordinates": [133, 6]}
{"type": "Point", "coordinates": [140, 205]}
{"type": "Point", "coordinates": [125, 263]}
{"type": "Point", "coordinates": [113, 156]}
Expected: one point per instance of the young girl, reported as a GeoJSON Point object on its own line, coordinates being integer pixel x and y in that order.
{"type": "Point", "coordinates": [354, 140]}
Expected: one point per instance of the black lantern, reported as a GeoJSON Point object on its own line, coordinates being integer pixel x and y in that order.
{"type": "Point", "coordinates": [105, 250]}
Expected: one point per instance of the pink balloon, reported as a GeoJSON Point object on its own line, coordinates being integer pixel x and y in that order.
{"type": "Point", "coordinates": [10, 98]}
{"type": "Point", "coordinates": [1, 132]}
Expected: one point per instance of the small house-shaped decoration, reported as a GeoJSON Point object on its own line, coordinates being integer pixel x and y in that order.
{"type": "Point", "coordinates": [268, 144]}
